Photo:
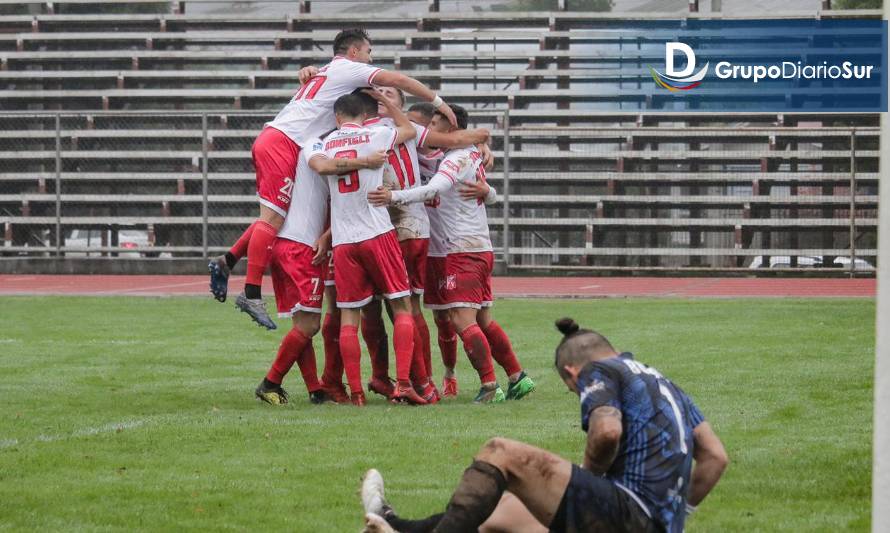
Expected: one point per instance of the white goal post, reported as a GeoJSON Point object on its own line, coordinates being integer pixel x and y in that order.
{"type": "Point", "coordinates": [880, 493]}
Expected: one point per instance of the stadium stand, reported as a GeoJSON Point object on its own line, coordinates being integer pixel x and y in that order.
{"type": "Point", "coordinates": [121, 120]}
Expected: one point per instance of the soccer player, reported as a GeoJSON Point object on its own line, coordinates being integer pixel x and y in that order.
{"type": "Point", "coordinates": [276, 151]}
{"type": "Point", "coordinates": [402, 171]}
{"type": "Point", "coordinates": [429, 159]}
{"type": "Point", "coordinates": [650, 459]}
{"type": "Point", "coordinates": [466, 286]}
{"type": "Point", "coordinates": [367, 257]}
{"type": "Point", "coordinates": [298, 256]}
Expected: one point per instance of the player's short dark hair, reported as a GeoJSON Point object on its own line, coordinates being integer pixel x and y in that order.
{"type": "Point", "coordinates": [424, 108]}
{"type": "Point", "coordinates": [348, 38]}
{"type": "Point", "coordinates": [463, 118]}
{"type": "Point", "coordinates": [578, 345]}
{"type": "Point", "coordinates": [350, 105]}
{"type": "Point", "coordinates": [368, 102]}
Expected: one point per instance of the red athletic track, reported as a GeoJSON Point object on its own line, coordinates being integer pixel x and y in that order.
{"type": "Point", "coordinates": [503, 287]}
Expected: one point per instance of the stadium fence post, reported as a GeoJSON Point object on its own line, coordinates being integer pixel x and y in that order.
{"type": "Point", "coordinates": [506, 192]}
{"type": "Point", "coordinates": [880, 493]}
{"type": "Point", "coordinates": [58, 185]}
{"type": "Point", "coordinates": [852, 202]}
{"type": "Point", "coordinates": [204, 146]}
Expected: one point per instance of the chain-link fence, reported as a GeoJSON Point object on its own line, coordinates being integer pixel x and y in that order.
{"type": "Point", "coordinates": [588, 191]}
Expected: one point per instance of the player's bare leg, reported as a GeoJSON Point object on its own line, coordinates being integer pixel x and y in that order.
{"type": "Point", "coordinates": [260, 239]}
{"type": "Point", "coordinates": [374, 334]}
{"type": "Point", "coordinates": [296, 347]}
{"type": "Point", "coordinates": [332, 377]}
{"type": "Point", "coordinates": [351, 352]}
{"type": "Point", "coordinates": [403, 344]}
{"type": "Point", "coordinates": [520, 384]}
{"type": "Point", "coordinates": [447, 338]}
{"type": "Point", "coordinates": [512, 516]}
{"type": "Point", "coordinates": [422, 349]}
{"type": "Point", "coordinates": [479, 352]}
{"type": "Point", "coordinates": [536, 477]}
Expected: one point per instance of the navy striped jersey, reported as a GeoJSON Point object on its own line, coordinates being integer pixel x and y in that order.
{"type": "Point", "coordinates": [654, 460]}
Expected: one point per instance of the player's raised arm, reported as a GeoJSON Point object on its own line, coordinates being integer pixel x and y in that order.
{"type": "Point", "coordinates": [603, 439]}
{"type": "Point", "coordinates": [404, 128]}
{"type": "Point", "coordinates": [389, 78]}
{"type": "Point", "coordinates": [326, 166]}
{"type": "Point", "coordinates": [456, 138]}
{"type": "Point", "coordinates": [710, 462]}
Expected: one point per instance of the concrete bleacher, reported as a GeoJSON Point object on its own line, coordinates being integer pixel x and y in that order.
{"type": "Point", "coordinates": [595, 178]}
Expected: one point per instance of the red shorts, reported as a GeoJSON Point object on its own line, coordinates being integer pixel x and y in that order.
{"type": "Point", "coordinates": [468, 280]}
{"type": "Point", "coordinates": [275, 160]}
{"type": "Point", "coordinates": [414, 251]}
{"type": "Point", "coordinates": [434, 293]}
{"type": "Point", "coordinates": [370, 267]}
{"type": "Point", "coordinates": [297, 282]}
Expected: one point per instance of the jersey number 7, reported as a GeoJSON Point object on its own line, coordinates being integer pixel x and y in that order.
{"type": "Point", "coordinates": [347, 182]}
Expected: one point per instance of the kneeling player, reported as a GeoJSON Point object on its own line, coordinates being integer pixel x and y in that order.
{"type": "Point", "coordinates": [650, 459]}
{"type": "Point", "coordinates": [367, 257]}
{"type": "Point", "coordinates": [298, 256]}
{"type": "Point", "coordinates": [468, 265]}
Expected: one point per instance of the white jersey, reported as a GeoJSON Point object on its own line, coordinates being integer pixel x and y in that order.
{"type": "Point", "coordinates": [353, 218]}
{"type": "Point", "coordinates": [308, 213]}
{"type": "Point", "coordinates": [401, 172]}
{"type": "Point", "coordinates": [466, 220]}
{"type": "Point", "coordinates": [429, 164]}
{"type": "Point", "coordinates": [310, 112]}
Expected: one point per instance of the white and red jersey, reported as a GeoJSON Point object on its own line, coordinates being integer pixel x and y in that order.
{"type": "Point", "coordinates": [308, 213]}
{"type": "Point", "coordinates": [310, 113]}
{"type": "Point", "coordinates": [465, 221]}
{"type": "Point", "coordinates": [402, 172]}
{"type": "Point", "coordinates": [429, 164]}
{"type": "Point", "coordinates": [353, 218]}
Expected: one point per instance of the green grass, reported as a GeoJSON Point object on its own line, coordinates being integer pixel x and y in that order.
{"type": "Point", "coordinates": [138, 413]}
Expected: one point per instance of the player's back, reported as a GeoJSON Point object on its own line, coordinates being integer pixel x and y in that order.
{"type": "Point", "coordinates": [654, 459]}
{"type": "Point", "coordinates": [401, 172]}
{"type": "Point", "coordinates": [310, 113]}
{"type": "Point", "coordinates": [353, 218]}
{"type": "Point", "coordinates": [466, 219]}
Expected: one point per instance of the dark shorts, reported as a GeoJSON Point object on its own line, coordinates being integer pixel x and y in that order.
{"type": "Point", "coordinates": [593, 503]}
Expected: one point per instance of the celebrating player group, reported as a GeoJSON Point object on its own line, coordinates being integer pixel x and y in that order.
{"type": "Point", "coordinates": [368, 207]}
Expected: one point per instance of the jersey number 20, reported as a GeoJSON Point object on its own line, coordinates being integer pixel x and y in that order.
{"type": "Point", "coordinates": [347, 182]}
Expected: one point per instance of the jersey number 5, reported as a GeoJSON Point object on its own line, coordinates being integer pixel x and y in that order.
{"type": "Point", "coordinates": [347, 182]}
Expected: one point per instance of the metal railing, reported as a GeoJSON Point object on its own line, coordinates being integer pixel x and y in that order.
{"type": "Point", "coordinates": [634, 192]}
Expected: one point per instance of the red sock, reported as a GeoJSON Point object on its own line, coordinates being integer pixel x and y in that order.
{"type": "Point", "coordinates": [351, 352]}
{"type": "Point", "coordinates": [258, 251]}
{"type": "Point", "coordinates": [374, 334]}
{"type": "Point", "coordinates": [403, 342]}
{"type": "Point", "coordinates": [306, 362]}
{"type": "Point", "coordinates": [501, 349]}
{"type": "Point", "coordinates": [479, 352]}
{"type": "Point", "coordinates": [447, 343]}
{"type": "Point", "coordinates": [333, 363]}
{"type": "Point", "coordinates": [239, 249]}
{"type": "Point", "coordinates": [419, 375]}
{"type": "Point", "coordinates": [291, 346]}
{"type": "Point", "coordinates": [424, 336]}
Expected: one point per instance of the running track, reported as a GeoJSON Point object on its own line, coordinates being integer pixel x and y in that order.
{"type": "Point", "coordinates": [503, 287]}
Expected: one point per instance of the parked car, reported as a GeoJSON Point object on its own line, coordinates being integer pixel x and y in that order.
{"type": "Point", "coordinates": [803, 261]}
{"type": "Point", "coordinates": [128, 238]}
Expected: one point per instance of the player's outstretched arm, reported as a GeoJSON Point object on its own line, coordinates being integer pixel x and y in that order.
{"type": "Point", "coordinates": [710, 462]}
{"type": "Point", "coordinates": [389, 78]}
{"type": "Point", "coordinates": [457, 138]}
{"type": "Point", "coordinates": [327, 166]}
{"type": "Point", "coordinates": [603, 439]}
{"type": "Point", "coordinates": [383, 196]}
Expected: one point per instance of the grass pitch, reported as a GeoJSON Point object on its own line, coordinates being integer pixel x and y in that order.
{"type": "Point", "coordinates": [138, 413]}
